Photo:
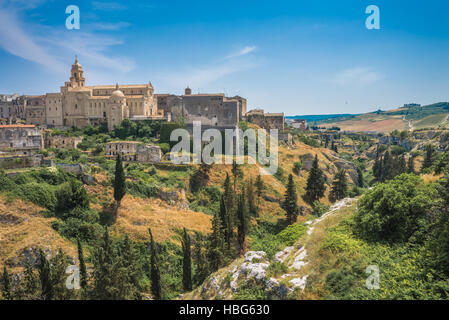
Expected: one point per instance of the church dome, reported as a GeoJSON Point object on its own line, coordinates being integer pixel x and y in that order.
{"type": "Point", "coordinates": [117, 93]}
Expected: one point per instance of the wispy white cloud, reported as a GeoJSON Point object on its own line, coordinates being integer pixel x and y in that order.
{"type": "Point", "coordinates": [199, 76]}
{"type": "Point", "coordinates": [50, 47]}
{"type": "Point", "coordinates": [358, 77]}
{"type": "Point", "coordinates": [108, 6]}
{"type": "Point", "coordinates": [242, 52]}
{"type": "Point", "coordinates": [110, 26]}
{"type": "Point", "coordinates": [16, 41]}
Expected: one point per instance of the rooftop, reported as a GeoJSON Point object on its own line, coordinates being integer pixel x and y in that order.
{"type": "Point", "coordinates": [13, 126]}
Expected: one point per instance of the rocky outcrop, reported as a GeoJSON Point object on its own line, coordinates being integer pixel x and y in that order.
{"type": "Point", "coordinates": [307, 161]}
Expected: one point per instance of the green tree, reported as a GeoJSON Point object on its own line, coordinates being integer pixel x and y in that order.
{"type": "Point", "coordinates": [290, 204]}
{"type": "Point", "coordinates": [156, 288]}
{"type": "Point", "coordinates": [315, 183]}
{"type": "Point", "coordinates": [216, 245]}
{"type": "Point", "coordinates": [200, 178]}
{"type": "Point", "coordinates": [236, 173]}
{"type": "Point", "coordinates": [103, 269]}
{"type": "Point", "coordinates": [45, 277]}
{"type": "Point", "coordinates": [251, 198]}
{"type": "Point", "coordinates": [339, 186]}
{"type": "Point", "coordinates": [200, 259]}
{"type": "Point", "coordinates": [230, 212]}
{"type": "Point", "coordinates": [259, 188]}
{"type": "Point", "coordinates": [6, 285]}
{"type": "Point", "coordinates": [360, 180]}
{"type": "Point", "coordinates": [83, 269]}
{"type": "Point", "coordinates": [119, 181]}
{"type": "Point", "coordinates": [224, 220]}
{"type": "Point", "coordinates": [428, 157]}
{"type": "Point", "coordinates": [411, 164]}
{"type": "Point", "coordinates": [186, 262]}
{"type": "Point", "coordinates": [395, 210]}
{"type": "Point", "coordinates": [70, 196]}
{"type": "Point", "coordinates": [242, 216]}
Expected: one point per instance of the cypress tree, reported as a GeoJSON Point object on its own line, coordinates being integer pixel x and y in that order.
{"type": "Point", "coordinates": [339, 186]}
{"type": "Point", "coordinates": [230, 213]}
{"type": "Point", "coordinates": [242, 221]}
{"type": "Point", "coordinates": [259, 188]}
{"type": "Point", "coordinates": [6, 285]}
{"type": "Point", "coordinates": [119, 181]}
{"type": "Point", "coordinates": [30, 286]}
{"type": "Point", "coordinates": [360, 181]}
{"type": "Point", "coordinates": [251, 199]}
{"type": "Point", "coordinates": [200, 178]}
{"type": "Point", "coordinates": [186, 262]}
{"type": "Point", "coordinates": [156, 288]}
{"type": "Point", "coordinates": [224, 220]}
{"type": "Point", "coordinates": [411, 164]}
{"type": "Point", "coordinates": [315, 183]}
{"type": "Point", "coordinates": [199, 256]}
{"type": "Point", "coordinates": [104, 273]}
{"type": "Point", "coordinates": [428, 158]}
{"type": "Point", "coordinates": [129, 271]}
{"type": "Point", "coordinates": [377, 168]}
{"type": "Point", "coordinates": [216, 246]}
{"type": "Point", "coordinates": [290, 204]}
{"type": "Point", "coordinates": [83, 270]}
{"type": "Point", "coordinates": [237, 173]}
{"type": "Point", "coordinates": [45, 277]}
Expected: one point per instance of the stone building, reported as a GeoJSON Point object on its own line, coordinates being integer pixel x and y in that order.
{"type": "Point", "coordinates": [20, 139]}
{"type": "Point", "coordinates": [79, 105]}
{"type": "Point", "coordinates": [300, 124]}
{"type": "Point", "coordinates": [266, 120]}
{"type": "Point", "coordinates": [134, 151]}
{"type": "Point", "coordinates": [212, 110]}
{"type": "Point", "coordinates": [61, 141]}
{"type": "Point", "coordinates": [12, 109]}
{"type": "Point", "coordinates": [34, 109]}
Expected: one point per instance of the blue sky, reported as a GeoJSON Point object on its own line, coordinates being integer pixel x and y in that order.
{"type": "Point", "coordinates": [296, 56]}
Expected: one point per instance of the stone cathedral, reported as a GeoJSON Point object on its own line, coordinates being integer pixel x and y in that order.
{"type": "Point", "coordinates": [79, 105]}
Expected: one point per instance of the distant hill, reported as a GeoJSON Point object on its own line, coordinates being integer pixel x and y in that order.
{"type": "Point", "coordinates": [416, 117]}
{"type": "Point", "coordinates": [321, 117]}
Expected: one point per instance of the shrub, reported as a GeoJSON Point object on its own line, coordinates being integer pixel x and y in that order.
{"type": "Point", "coordinates": [297, 166]}
{"type": "Point", "coordinates": [319, 208]}
{"type": "Point", "coordinates": [291, 234]}
{"type": "Point", "coordinates": [37, 193]}
{"type": "Point", "coordinates": [394, 210]}
{"type": "Point", "coordinates": [71, 195]}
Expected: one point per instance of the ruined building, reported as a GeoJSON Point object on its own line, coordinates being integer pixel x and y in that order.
{"type": "Point", "coordinates": [20, 139]}
{"type": "Point", "coordinates": [266, 120]}
{"type": "Point", "coordinates": [134, 151]}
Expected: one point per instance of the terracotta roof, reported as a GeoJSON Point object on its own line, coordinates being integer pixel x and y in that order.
{"type": "Point", "coordinates": [12, 126]}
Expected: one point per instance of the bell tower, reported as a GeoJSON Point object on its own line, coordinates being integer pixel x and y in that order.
{"type": "Point", "coordinates": [77, 79]}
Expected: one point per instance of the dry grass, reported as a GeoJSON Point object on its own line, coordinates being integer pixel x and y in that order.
{"type": "Point", "coordinates": [381, 125]}
{"type": "Point", "coordinates": [136, 215]}
{"type": "Point", "coordinates": [431, 177]}
{"type": "Point", "coordinates": [29, 229]}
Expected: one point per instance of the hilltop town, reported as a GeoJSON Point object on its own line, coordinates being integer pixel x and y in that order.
{"type": "Point", "coordinates": [86, 181]}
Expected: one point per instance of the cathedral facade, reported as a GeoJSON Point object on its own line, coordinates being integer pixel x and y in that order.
{"type": "Point", "coordinates": [78, 105]}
